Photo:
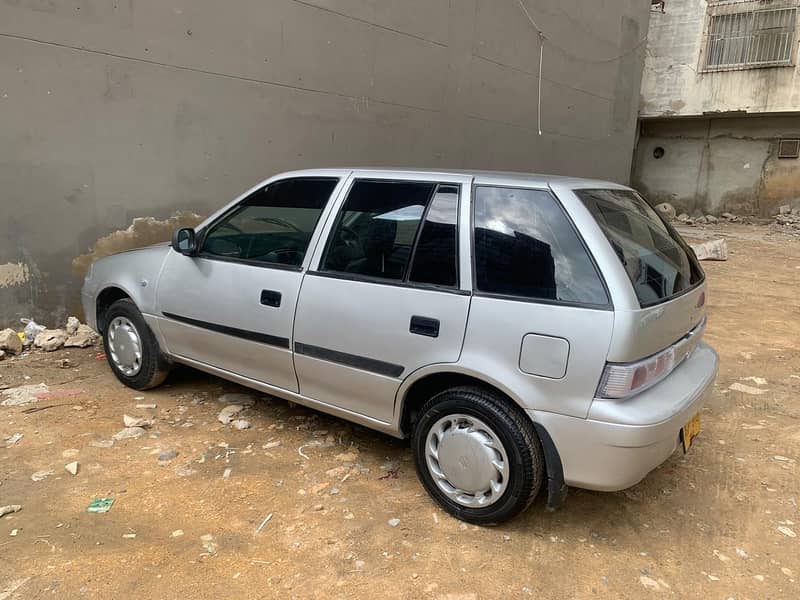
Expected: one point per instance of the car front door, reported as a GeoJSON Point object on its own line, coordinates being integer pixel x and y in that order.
{"type": "Point", "coordinates": [231, 306]}
{"type": "Point", "coordinates": [383, 296]}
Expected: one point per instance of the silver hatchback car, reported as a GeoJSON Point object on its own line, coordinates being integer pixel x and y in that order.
{"type": "Point", "coordinates": [523, 330]}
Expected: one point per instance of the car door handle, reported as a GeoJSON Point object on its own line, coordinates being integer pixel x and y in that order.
{"type": "Point", "coordinates": [424, 326]}
{"type": "Point", "coordinates": [270, 298]}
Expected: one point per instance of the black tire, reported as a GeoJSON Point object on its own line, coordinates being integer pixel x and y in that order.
{"type": "Point", "coordinates": [518, 436]}
{"type": "Point", "coordinates": [154, 366]}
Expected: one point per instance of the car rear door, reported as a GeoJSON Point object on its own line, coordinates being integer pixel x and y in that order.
{"type": "Point", "coordinates": [232, 305]}
{"type": "Point", "coordinates": [383, 297]}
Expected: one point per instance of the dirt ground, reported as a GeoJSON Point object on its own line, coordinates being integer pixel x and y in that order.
{"type": "Point", "coordinates": [719, 522]}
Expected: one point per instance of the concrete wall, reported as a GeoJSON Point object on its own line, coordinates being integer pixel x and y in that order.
{"type": "Point", "coordinates": [718, 165]}
{"type": "Point", "coordinates": [110, 111]}
{"type": "Point", "coordinates": [674, 83]}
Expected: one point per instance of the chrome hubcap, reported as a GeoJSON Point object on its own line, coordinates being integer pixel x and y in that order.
{"type": "Point", "coordinates": [467, 460]}
{"type": "Point", "coordinates": [125, 346]}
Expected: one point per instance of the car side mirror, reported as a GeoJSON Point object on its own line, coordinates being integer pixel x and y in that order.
{"type": "Point", "coordinates": [184, 240]}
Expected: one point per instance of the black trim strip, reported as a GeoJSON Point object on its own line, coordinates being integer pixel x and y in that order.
{"type": "Point", "coordinates": [253, 336]}
{"type": "Point", "coordinates": [350, 360]}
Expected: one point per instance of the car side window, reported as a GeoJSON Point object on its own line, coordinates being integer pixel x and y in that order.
{"type": "Point", "coordinates": [376, 228]}
{"type": "Point", "coordinates": [273, 225]}
{"type": "Point", "coordinates": [525, 246]}
{"type": "Point", "coordinates": [436, 255]}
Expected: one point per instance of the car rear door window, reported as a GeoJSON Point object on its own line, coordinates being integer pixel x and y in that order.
{"type": "Point", "coordinates": [376, 229]}
{"type": "Point", "coordinates": [525, 246]}
{"type": "Point", "coordinates": [436, 255]}
{"type": "Point", "coordinates": [273, 225]}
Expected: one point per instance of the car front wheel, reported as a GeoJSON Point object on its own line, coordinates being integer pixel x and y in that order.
{"type": "Point", "coordinates": [477, 456]}
{"type": "Point", "coordinates": [131, 348]}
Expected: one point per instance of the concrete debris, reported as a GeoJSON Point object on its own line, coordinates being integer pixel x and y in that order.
{"type": "Point", "coordinates": [13, 439]}
{"type": "Point", "coordinates": [226, 474]}
{"type": "Point", "coordinates": [347, 457]}
{"type": "Point", "coordinates": [743, 554]}
{"type": "Point", "coordinates": [167, 455]}
{"type": "Point", "coordinates": [241, 399]}
{"type": "Point", "coordinates": [50, 340]}
{"type": "Point", "coordinates": [713, 250]}
{"type": "Point", "coordinates": [393, 522]}
{"type": "Point", "coordinates": [177, 533]}
{"type": "Point", "coordinates": [786, 531]}
{"type": "Point", "coordinates": [746, 389]}
{"type": "Point", "coordinates": [756, 380]}
{"type": "Point", "coordinates": [10, 508]}
{"type": "Point", "coordinates": [129, 536]}
{"type": "Point", "coordinates": [129, 433]}
{"type": "Point", "coordinates": [667, 210]}
{"type": "Point", "coordinates": [785, 210]}
{"type": "Point", "coordinates": [23, 394]}
{"type": "Point", "coordinates": [241, 424]}
{"type": "Point", "coordinates": [72, 468]}
{"type": "Point", "coordinates": [208, 543]}
{"type": "Point", "coordinates": [101, 443]}
{"type": "Point", "coordinates": [130, 421]}
{"type": "Point", "coordinates": [64, 363]}
{"type": "Point", "coordinates": [142, 406]}
{"type": "Point", "coordinates": [42, 475]}
{"type": "Point", "coordinates": [72, 325]}
{"type": "Point", "coordinates": [227, 414]}
{"type": "Point", "coordinates": [10, 342]}
{"type": "Point", "coordinates": [83, 337]}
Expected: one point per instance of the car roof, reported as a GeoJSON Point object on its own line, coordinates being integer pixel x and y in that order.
{"type": "Point", "coordinates": [485, 177]}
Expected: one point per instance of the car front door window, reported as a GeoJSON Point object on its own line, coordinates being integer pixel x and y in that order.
{"type": "Point", "coordinates": [273, 226]}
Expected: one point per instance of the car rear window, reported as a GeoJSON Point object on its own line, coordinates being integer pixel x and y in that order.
{"type": "Point", "coordinates": [658, 262]}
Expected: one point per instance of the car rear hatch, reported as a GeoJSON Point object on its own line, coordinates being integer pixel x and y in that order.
{"type": "Point", "coordinates": [667, 320]}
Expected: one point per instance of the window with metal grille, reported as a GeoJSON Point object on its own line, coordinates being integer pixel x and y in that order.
{"type": "Point", "coordinates": [744, 36]}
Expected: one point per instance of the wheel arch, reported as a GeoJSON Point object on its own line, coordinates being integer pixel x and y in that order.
{"type": "Point", "coordinates": [105, 298]}
{"type": "Point", "coordinates": [425, 383]}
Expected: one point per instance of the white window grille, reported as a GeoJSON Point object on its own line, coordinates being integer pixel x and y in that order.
{"type": "Point", "coordinates": [749, 35]}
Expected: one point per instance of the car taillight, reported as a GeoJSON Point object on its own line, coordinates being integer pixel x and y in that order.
{"type": "Point", "coordinates": [622, 380]}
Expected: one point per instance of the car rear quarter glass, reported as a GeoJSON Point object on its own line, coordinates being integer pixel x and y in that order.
{"type": "Point", "coordinates": [658, 262]}
{"type": "Point", "coordinates": [525, 246]}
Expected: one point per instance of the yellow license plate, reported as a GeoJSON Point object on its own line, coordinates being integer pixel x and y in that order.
{"type": "Point", "coordinates": [689, 432]}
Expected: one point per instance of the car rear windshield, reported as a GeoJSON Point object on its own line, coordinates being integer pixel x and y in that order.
{"type": "Point", "coordinates": [659, 263]}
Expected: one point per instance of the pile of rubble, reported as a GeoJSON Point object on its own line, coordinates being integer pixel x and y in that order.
{"type": "Point", "coordinates": [669, 213]}
{"type": "Point", "coordinates": [788, 220]}
{"type": "Point", "coordinates": [74, 335]}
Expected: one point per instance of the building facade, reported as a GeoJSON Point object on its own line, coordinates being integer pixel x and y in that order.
{"type": "Point", "coordinates": [720, 107]}
{"type": "Point", "coordinates": [115, 115]}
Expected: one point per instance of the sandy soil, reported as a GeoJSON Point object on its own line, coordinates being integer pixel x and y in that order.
{"type": "Point", "coordinates": [704, 525]}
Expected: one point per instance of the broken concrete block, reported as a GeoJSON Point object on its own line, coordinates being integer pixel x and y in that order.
{"type": "Point", "coordinates": [227, 414]}
{"type": "Point", "coordinates": [72, 325]}
{"type": "Point", "coordinates": [667, 210]}
{"type": "Point", "coordinates": [713, 250]}
{"type": "Point", "coordinates": [50, 339]}
{"type": "Point", "coordinates": [129, 433]}
{"type": "Point", "coordinates": [72, 468]}
{"type": "Point", "coordinates": [9, 340]}
{"type": "Point", "coordinates": [130, 421]}
{"type": "Point", "coordinates": [83, 337]}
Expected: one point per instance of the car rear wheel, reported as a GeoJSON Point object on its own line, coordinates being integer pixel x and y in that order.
{"type": "Point", "coordinates": [477, 456]}
{"type": "Point", "coordinates": [131, 348]}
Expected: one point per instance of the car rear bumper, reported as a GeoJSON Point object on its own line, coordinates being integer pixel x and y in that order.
{"type": "Point", "coordinates": [620, 442]}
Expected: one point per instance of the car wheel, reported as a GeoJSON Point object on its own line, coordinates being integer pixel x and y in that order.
{"type": "Point", "coordinates": [477, 456]}
{"type": "Point", "coordinates": [131, 348]}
